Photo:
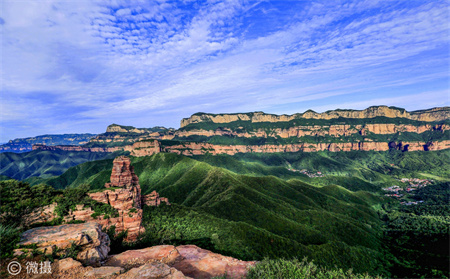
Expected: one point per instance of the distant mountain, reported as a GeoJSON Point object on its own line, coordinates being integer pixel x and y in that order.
{"type": "Point", "coordinates": [378, 128]}
{"type": "Point", "coordinates": [428, 115]}
{"type": "Point", "coordinates": [25, 144]}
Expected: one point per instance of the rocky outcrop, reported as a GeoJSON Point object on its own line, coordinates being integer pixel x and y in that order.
{"type": "Point", "coordinates": [191, 260]}
{"type": "Point", "coordinates": [153, 270]}
{"type": "Point", "coordinates": [434, 114]}
{"type": "Point", "coordinates": [123, 192]}
{"type": "Point", "coordinates": [127, 220]}
{"type": "Point", "coordinates": [167, 254]}
{"type": "Point", "coordinates": [103, 272]}
{"type": "Point", "coordinates": [114, 128]}
{"type": "Point", "coordinates": [153, 199]}
{"type": "Point", "coordinates": [201, 263]}
{"type": "Point", "coordinates": [93, 243]}
{"type": "Point", "coordinates": [41, 214]}
{"type": "Point", "coordinates": [68, 264]}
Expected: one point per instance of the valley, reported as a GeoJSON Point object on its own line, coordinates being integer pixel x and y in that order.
{"type": "Point", "coordinates": [357, 191]}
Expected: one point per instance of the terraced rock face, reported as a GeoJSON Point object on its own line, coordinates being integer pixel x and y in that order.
{"type": "Point", "coordinates": [373, 129]}
{"type": "Point", "coordinates": [434, 114]}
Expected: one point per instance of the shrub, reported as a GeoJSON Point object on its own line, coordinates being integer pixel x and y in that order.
{"type": "Point", "coordinates": [286, 269]}
{"type": "Point", "coordinates": [9, 237]}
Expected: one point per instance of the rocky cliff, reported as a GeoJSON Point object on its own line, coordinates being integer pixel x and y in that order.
{"type": "Point", "coordinates": [375, 128]}
{"type": "Point", "coordinates": [200, 148]}
{"type": "Point", "coordinates": [339, 130]}
{"type": "Point", "coordinates": [123, 192]}
{"type": "Point", "coordinates": [429, 115]}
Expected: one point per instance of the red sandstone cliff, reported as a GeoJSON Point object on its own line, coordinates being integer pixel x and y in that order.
{"type": "Point", "coordinates": [434, 114]}
{"type": "Point", "coordinates": [200, 148]}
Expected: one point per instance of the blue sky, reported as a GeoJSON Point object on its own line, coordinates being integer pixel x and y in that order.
{"type": "Point", "coordinates": [78, 66]}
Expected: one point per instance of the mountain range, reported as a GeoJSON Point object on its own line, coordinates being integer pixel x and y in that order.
{"type": "Point", "coordinates": [364, 190]}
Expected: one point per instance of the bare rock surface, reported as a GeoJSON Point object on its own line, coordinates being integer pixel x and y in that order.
{"type": "Point", "coordinates": [167, 254]}
{"type": "Point", "coordinates": [190, 260]}
{"type": "Point", "coordinates": [67, 264]}
{"type": "Point", "coordinates": [104, 271]}
{"type": "Point", "coordinates": [94, 243]}
{"type": "Point", "coordinates": [153, 270]}
{"type": "Point", "coordinates": [153, 199]}
{"type": "Point", "coordinates": [201, 263]}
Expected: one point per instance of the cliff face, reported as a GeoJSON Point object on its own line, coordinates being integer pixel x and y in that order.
{"type": "Point", "coordinates": [375, 128]}
{"type": "Point", "coordinates": [317, 130]}
{"type": "Point", "coordinates": [434, 114]}
{"type": "Point", "coordinates": [127, 199]}
{"type": "Point", "coordinates": [190, 149]}
{"type": "Point", "coordinates": [201, 148]}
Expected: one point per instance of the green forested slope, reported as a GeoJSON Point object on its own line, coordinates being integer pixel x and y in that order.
{"type": "Point", "coordinates": [249, 217]}
{"type": "Point", "coordinates": [253, 207]}
{"type": "Point", "coordinates": [44, 163]}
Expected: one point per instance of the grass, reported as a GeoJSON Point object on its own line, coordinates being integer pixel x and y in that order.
{"type": "Point", "coordinates": [294, 269]}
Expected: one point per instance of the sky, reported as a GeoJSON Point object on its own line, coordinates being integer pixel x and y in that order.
{"type": "Point", "coordinates": [78, 66]}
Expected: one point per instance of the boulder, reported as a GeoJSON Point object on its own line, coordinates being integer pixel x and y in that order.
{"type": "Point", "coordinates": [153, 270]}
{"type": "Point", "coordinates": [201, 263]}
{"type": "Point", "coordinates": [93, 243]}
{"type": "Point", "coordinates": [164, 253]}
{"type": "Point", "coordinates": [67, 264]}
{"type": "Point", "coordinates": [104, 271]}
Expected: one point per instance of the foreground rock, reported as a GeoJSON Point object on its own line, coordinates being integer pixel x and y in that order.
{"type": "Point", "coordinates": [104, 271]}
{"type": "Point", "coordinates": [68, 264]}
{"type": "Point", "coordinates": [167, 254]}
{"type": "Point", "coordinates": [201, 263]}
{"type": "Point", "coordinates": [150, 270]}
{"type": "Point", "coordinates": [92, 242]}
{"type": "Point", "coordinates": [189, 259]}
{"type": "Point", "coordinates": [153, 270]}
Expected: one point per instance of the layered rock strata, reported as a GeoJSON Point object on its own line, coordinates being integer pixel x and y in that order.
{"type": "Point", "coordinates": [93, 243]}
{"type": "Point", "coordinates": [200, 148]}
{"type": "Point", "coordinates": [434, 114]}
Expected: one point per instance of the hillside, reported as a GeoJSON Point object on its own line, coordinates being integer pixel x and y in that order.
{"type": "Point", "coordinates": [252, 206]}
{"type": "Point", "coordinates": [44, 163]}
{"type": "Point", "coordinates": [248, 217]}
{"type": "Point", "coordinates": [25, 144]}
